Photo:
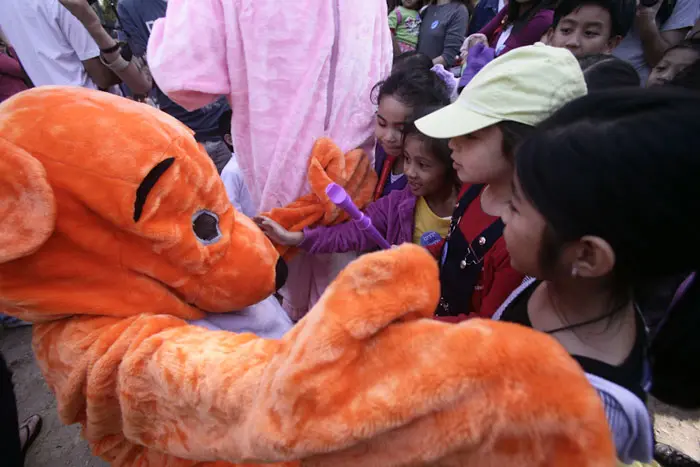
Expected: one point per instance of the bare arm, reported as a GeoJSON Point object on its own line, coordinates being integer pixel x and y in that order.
{"type": "Point", "coordinates": [110, 72]}
{"type": "Point", "coordinates": [654, 41]}
{"type": "Point", "coordinates": [100, 74]}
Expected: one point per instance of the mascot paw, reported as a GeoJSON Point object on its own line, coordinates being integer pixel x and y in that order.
{"type": "Point", "coordinates": [378, 289]}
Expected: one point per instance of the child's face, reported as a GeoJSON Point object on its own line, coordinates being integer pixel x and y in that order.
{"type": "Point", "coordinates": [391, 118]}
{"type": "Point", "coordinates": [424, 172]}
{"type": "Point", "coordinates": [671, 64]}
{"type": "Point", "coordinates": [479, 157]}
{"type": "Point", "coordinates": [523, 233]}
{"type": "Point", "coordinates": [411, 4]}
{"type": "Point", "coordinates": [585, 31]}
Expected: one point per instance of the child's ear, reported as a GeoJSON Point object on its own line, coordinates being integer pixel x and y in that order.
{"type": "Point", "coordinates": [547, 37]}
{"type": "Point", "coordinates": [613, 43]}
{"type": "Point", "coordinates": [228, 139]}
{"type": "Point", "coordinates": [595, 257]}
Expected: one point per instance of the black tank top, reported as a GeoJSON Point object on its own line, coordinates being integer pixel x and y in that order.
{"type": "Point", "coordinates": [630, 374]}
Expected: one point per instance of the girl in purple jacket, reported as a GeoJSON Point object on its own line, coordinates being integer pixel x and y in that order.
{"type": "Point", "coordinates": [419, 213]}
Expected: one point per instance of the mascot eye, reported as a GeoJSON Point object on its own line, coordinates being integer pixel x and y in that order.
{"type": "Point", "coordinates": [205, 225]}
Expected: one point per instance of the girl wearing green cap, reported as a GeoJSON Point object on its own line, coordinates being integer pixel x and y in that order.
{"type": "Point", "coordinates": [492, 115]}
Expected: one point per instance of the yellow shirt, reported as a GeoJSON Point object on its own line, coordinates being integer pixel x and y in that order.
{"type": "Point", "coordinates": [425, 220]}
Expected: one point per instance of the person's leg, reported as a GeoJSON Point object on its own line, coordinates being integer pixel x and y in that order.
{"type": "Point", "coordinates": [10, 445]}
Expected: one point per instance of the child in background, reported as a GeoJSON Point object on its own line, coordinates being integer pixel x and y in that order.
{"type": "Point", "coordinates": [404, 23]}
{"type": "Point", "coordinates": [587, 27]}
{"type": "Point", "coordinates": [603, 71]}
{"type": "Point", "coordinates": [675, 60]}
{"type": "Point", "coordinates": [397, 97]}
{"type": "Point", "coordinates": [493, 114]}
{"type": "Point", "coordinates": [231, 174]}
{"type": "Point", "coordinates": [419, 213]}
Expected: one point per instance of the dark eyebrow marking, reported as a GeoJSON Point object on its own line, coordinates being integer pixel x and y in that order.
{"type": "Point", "coordinates": [147, 185]}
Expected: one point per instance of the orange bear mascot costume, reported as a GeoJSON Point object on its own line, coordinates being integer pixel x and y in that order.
{"type": "Point", "coordinates": [116, 233]}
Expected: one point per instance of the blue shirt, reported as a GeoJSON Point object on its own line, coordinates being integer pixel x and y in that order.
{"type": "Point", "coordinates": [136, 18]}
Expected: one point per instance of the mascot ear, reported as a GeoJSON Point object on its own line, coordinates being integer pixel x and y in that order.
{"type": "Point", "coordinates": [27, 205]}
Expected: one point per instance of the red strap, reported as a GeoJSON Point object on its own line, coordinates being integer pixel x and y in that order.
{"type": "Point", "coordinates": [386, 170]}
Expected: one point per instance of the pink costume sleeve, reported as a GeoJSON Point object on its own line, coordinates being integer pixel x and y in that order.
{"type": "Point", "coordinates": [187, 53]}
{"type": "Point", "coordinates": [292, 76]}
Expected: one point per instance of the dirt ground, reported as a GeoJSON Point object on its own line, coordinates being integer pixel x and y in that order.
{"type": "Point", "coordinates": [61, 446]}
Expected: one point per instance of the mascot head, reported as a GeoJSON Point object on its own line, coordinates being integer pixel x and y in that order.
{"type": "Point", "coordinates": [110, 207]}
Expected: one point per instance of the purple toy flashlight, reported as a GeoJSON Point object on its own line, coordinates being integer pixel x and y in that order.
{"type": "Point", "coordinates": [337, 194]}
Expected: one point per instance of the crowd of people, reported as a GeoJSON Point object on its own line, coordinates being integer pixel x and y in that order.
{"type": "Point", "coordinates": [541, 150]}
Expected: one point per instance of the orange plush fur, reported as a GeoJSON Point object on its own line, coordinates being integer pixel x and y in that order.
{"type": "Point", "coordinates": [365, 379]}
{"type": "Point", "coordinates": [327, 164]}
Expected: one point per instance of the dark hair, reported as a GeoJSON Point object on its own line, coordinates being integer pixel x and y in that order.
{"type": "Point", "coordinates": [602, 166]}
{"type": "Point", "coordinates": [689, 77]}
{"type": "Point", "coordinates": [225, 123]}
{"type": "Point", "coordinates": [411, 60]}
{"type": "Point", "coordinates": [519, 21]}
{"type": "Point", "coordinates": [621, 13]}
{"type": "Point", "coordinates": [603, 71]}
{"type": "Point", "coordinates": [513, 134]}
{"type": "Point", "coordinates": [437, 146]}
{"type": "Point", "coordinates": [689, 44]}
{"type": "Point", "coordinates": [414, 87]}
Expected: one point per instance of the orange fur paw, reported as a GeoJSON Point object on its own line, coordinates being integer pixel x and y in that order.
{"type": "Point", "coordinates": [364, 297]}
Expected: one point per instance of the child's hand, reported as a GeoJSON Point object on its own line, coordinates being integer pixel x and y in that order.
{"type": "Point", "coordinates": [277, 233]}
{"type": "Point", "coordinates": [471, 41]}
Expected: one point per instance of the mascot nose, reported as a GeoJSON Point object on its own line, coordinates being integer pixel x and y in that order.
{"type": "Point", "coordinates": [281, 273]}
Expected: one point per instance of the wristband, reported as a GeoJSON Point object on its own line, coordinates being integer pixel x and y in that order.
{"type": "Point", "coordinates": [117, 65]}
{"type": "Point", "coordinates": [110, 50]}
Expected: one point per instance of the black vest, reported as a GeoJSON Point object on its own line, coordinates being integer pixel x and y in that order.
{"type": "Point", "coordinates": [461, 261]}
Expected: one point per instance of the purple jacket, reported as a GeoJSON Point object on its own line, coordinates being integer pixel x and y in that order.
{"type": "Point", "coordinates": [529, 34]}
{"type": "Point", "coordinates": [392, 216]}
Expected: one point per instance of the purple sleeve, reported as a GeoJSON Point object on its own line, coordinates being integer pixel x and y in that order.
{"type": "Point", "coordinates": [347, 236]}
{"type": "Point", "coordinates": [492, 25]}
{"type": "Point", "coordinates": [532, 32]}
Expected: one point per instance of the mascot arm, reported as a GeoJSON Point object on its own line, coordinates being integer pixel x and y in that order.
{"type": "Point", "coordinates": [359, 381]}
